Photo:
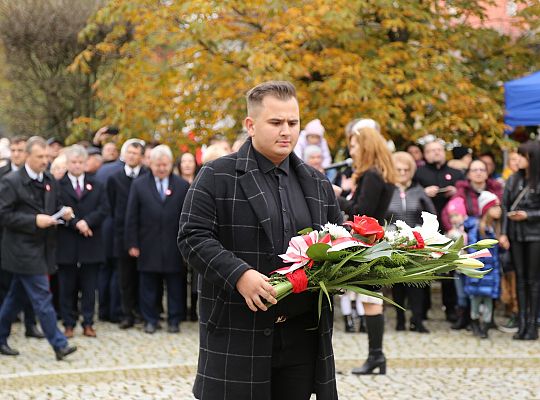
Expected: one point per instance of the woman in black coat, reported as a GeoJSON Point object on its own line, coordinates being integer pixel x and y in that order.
{"type": "Point", "coordinates": [81, 251]}
{"type": "Point", "coordinates": [521, 234]}
{"type": "Point", "coordinates": [407, 203]}
{"type": "Point", "coordinates": [374, 177]}
{"type": "Point", "coordinates": [153, 212]}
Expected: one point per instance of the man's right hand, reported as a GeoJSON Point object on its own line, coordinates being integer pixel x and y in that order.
{"type": "Point", "coordinates": [253, 286]}
{"type": "Point", "coordinates": [44, 221]}
{"type": "Point", "coordinates": [431, 191]}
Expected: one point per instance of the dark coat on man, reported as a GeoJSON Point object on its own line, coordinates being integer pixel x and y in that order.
{"type": "Point", "coordinates": [27, 249]}
{"type": "Point", "coordinates": [152, 224]}
{"type": "Point", "coordinates": [103, 175]}
{"type": "Point", "coordinates": [93, 207]}
{"type": "Point", "coordinates": [118, 187]}
{"type": "Point", "coordinates": [225, 229]}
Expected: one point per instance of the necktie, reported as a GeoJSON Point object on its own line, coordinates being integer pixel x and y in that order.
{"type": "Point", "coordinates": [132, 174]}
{"type": "Point", "coordinates": [161, 190]}
{"type": "Point", "coordinates": [78, 190]}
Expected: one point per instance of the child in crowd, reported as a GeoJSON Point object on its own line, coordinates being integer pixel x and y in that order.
{"type": "Point", "coordinates": [484, 290]}
{"type": "Point", "coordinates": [313, 134]}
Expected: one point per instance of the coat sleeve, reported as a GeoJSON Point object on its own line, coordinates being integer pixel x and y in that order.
{"type": "Point", "coordinates": [9, 216]}
{"type": "Point", "coordinates": [367, 198]}
{"type": "Point", "coordinates": [111, 194]}
{"type": "Point", "coordinates": [132, 224]}
{"type": "Point", "coordinates": [198, 235]}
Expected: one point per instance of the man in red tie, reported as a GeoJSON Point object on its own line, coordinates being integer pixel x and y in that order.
{"type": "Point", "coordinates": [82, 250]}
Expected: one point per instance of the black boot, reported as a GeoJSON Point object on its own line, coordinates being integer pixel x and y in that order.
{"type": "Point", "coordinates": [376, 358]}
{"type": "Point", "coordinates": [522, 313]}
{"type": "Point", "coordinates": [475, 326]}
{"type": "Point", "coordinates": [532, 330]}
{"type": "Point", "coordinates": [400, 320]}
{"type": "Point", "coordinates": [362, 324]}
{"type": "Point", "coordinates": [463, 319]}
{"type": "Point", "coordinates": [418, 326]}
{"type": "Point", "coordinates": [193, 311]}
{"type": "Point", "coordinates": [484, 327]}
{"type": "Point", "coordinates": [349, 323]}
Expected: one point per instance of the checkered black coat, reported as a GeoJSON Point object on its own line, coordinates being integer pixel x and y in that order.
{"type": "Point", "coordinates": [225, 230]}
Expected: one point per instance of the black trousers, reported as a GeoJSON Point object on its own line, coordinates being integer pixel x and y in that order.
{"type": "Point", "coordinates": [294, 353]}
{"type": "Point", "coordinates": [526, 256]}
{"type": "Point", "coordinates": [411, 298]}
{"type": "Point", "coordinates": [151, 295]}
{"type": "Point", "coordinates": [128, 278]}
{"type": "Point", "coordinates": [69, 277]}
{"type": "Point", "coordinates": [110, 307]}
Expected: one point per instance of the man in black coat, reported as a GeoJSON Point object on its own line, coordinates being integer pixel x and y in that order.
{"type": "Point", "coordinates": [153, 213]}
{"type": "Point", "coordinates": [82, 250]}
{"type": "Point", "coordinates": [439, 183]}
{"type": "Point", "coordinates": [239, 215]}
{"type": "Point", "coordinates": [118, 187]}
{"type": "Point", "coordinates": [16, 162]}
{"type": "Point", "coordinates": [29, 198]}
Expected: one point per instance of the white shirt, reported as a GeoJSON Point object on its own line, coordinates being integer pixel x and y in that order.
{"type": "Point", "coordinates": [14, 167]}
{"type": "Point", "coordinates": [32, 174]}
{"type": "Point", "coordinates": [74, 180]}
{"type": "Point", "coordinates": [165, 183]}
{"type": "Point", "coordinates": [135, 170]}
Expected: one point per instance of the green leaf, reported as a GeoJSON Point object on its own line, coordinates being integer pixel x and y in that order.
{"type": "Point", "coordinates": [318, 251]}
{"type": "Point", "coordinates": [323, 287]}
{"type": "Point", "coordinates": [305, 231]}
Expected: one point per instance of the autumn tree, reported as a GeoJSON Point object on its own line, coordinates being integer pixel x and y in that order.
{"type": "Point", "coordinates": [413, 66]}
{"type": "Point", "coordinates": [39, 39]}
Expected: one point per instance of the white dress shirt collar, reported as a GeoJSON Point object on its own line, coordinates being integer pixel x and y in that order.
{"type": "Point", "coordinates": [74, 180]}
{"type": "Point", "coordinates": [136, 170]}
{"type": "Point", "coordinates": [32, 174]}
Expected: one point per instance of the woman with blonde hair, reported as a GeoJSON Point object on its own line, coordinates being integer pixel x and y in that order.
{"type": "Point", "coordinates": [374, 177]}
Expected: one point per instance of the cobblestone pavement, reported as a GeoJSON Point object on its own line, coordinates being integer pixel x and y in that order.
{"type": "Point", "coordinates": [133, 365]}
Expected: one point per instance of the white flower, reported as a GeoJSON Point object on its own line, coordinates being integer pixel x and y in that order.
{"type": "Point", "coordinates": [430, 230]}
{"type": "Point", "coordinates": [336, 231]}
{"type": "Point", "coordinates": [404, 230]}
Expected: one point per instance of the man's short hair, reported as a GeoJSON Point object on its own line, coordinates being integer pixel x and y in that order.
{"type": "Point", "coordinates": [35, 141]}
{"type": "Point", "coordinates": [161, 151]}
{"type": "Point", "coordinates": [76, 150]}
{"type": "Point", "coordinates": [281, 90]}
{"type": "Point", "coordinates": [130, 142]}
{"type": "Point", "coordinates": [17, 140]}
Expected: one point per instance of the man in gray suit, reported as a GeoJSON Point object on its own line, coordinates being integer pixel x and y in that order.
{"type": "Point", "coordinates": [239, 215]}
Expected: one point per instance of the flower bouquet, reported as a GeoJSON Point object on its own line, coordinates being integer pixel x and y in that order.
{"type": "Point", "coordinates": [334, 259]}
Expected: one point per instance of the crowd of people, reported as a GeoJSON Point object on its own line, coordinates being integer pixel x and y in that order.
{"type": "Point", "coordinates": [100, 218]}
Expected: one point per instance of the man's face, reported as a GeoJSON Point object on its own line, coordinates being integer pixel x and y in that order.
{"type": "Point", "coordinates": [37, 159]}
{"type": "Point", "coordinates": [52, 151]}
{"type": "Point", "coordinates": [489, 163]}
{"type": "Point", "coordinates": [93, 163]}
{"type": "Point", "coordinates": [109, 152]}
{"type": "Point", "coordinates": [133, 156]}
{"type": "Point", "coordinates": [434, 153]}
{"type": "Point", "coordinates": [75, 165]}
{"type": "Point", "coordinates": [274, 128]}
{"type": "Point", "coordinates": [161, 167]}
{"type": "Point", "coordinates": [146, 158]}
{"type": "Point", "coordinates": [18, 153]}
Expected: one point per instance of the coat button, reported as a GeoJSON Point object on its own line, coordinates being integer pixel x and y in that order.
{"type": "Point", "coordinates": [267, 332]}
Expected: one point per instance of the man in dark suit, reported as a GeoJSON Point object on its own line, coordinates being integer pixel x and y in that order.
{"type": "Point", "coordinates": [152, 218]}
{"type": "Point", "coordinates": [82, 249]}
{"type": "Point", "coordinates": [17, 159]}
{"type": "Point", "coordinates": [239, 215]}
{"type": "Point", "coordinates": [118, 187]}
{"type": "Point", "coordinates": [29, 198]}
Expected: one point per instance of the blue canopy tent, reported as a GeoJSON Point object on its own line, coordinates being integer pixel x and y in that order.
{"type": "Point", "coordinates": [522, 98]}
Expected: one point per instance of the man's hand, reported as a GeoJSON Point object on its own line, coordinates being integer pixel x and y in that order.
{"type": "Point", "coordinates": [450, 191]}
{"type": "Point", "coordinates": [134, 252]}
{"type": "Point", "coordinates": [68, 214]}
{"type": "Point", "coordinates": [337, 190]}
{"type": "Point", "coordinates": [253, 286]}
{"type": "Point", "coordinates": [83, 227]}
{"type": "Point", "coordinates": [504, 242]}
{"type": "Point", "coordinates": [517, 215]}
{"type": "Point", "coordinates": [431, 191]}
{"type": "Point", "coordinates": [44, 221]}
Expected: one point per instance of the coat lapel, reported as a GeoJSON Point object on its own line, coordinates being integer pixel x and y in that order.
{"type": "Point", "coordinates": [153, 188]}
{"type": "Point", "coordinates": [27, 181]}
{"type": "Point", "coordinates": [67, 187]}
{"type": "Point", "coordinates": [250, 184]}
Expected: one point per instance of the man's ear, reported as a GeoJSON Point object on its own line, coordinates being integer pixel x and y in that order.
{"type": "Point", "coordinates": [249, 123]}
